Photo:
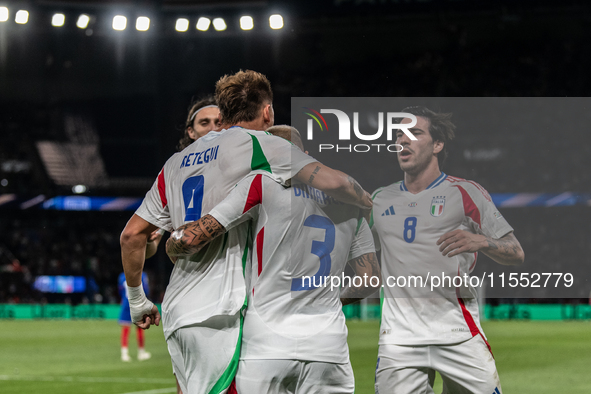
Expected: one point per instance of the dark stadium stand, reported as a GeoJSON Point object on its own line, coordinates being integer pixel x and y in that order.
{"type": "Point", "coordinates": [135, 103]}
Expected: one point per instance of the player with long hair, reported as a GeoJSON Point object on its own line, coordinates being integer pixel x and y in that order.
{"type": "Point", "coordinates": [202, 117]}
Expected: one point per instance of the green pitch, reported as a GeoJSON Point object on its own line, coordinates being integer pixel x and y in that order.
{"type": "Point", "coordinates": [83, 357]}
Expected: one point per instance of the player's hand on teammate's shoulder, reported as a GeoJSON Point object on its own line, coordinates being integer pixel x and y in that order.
{"type": "Point", "coordinates": [169, 247]}
{"type": "Point", "coordinates": [455, 242]}
{"type": "Point", "coordinates": [367, 202]}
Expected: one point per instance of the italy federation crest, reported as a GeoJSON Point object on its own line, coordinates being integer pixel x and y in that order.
{"type": "Point", "coordinates": [437, 205]}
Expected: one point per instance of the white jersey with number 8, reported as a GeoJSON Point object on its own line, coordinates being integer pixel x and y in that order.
{"type": "Point", "coordinates": [407, 227]}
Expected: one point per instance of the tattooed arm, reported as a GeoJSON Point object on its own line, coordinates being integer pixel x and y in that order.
{"type": "Point", "coordinates": [366, 266]}
{"type": "Point", "coordinates": [335, 183]}
{"type": "Point", "coordinates": [505, 250]}
{"type": "Point", "coordinates": [192, 237]}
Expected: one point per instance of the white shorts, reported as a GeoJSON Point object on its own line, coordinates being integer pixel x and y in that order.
{"type": "Point", "coordinates": [205, 355]}
{"type": "Point", "coordinates": [466, 368]}
{"type": "Point", "coordinates": [294, 377]}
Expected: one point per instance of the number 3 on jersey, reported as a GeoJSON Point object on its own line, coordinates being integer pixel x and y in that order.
{"type": "Point", "coordinates": [410, 229]}
{"type": "Point", "coordinates": [322, 249]}
{"type": "Point", "coordinates": [193, 197]}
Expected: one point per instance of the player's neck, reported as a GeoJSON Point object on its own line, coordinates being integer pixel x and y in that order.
{"type": "Point", "coordinates": [257, 124]}
{"type": "Point", "coordinates": [416, 183]}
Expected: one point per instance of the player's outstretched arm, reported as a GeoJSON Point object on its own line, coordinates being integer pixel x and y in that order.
{"type": "Point", "coordinates": [365, 266]}
{"type": "Point", "coordinates": [192, 237]}
{"type": "Point", "coordinates": [505, 250]}
{"type": "Point", "coordinates": [133, 251]}
{"type": "Point", "coordinates": [335, 183]}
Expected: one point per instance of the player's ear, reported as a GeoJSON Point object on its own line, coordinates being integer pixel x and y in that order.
{"type": "Point", "coordinates": [267, 113]}
{"type": "Point", "coordinates": [191, 133]}
{"type": "Point", "coordinates": [438, 146]}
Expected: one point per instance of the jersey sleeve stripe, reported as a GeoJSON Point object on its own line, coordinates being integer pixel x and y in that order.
{"type": "Point", "coordinates": [484, 192]}
{"type": "Point", "coordinates": [470, 208]}
{"type": "Point", "coordinates": [371, 213]}
{"type": "Point", "coordinates": [162, 188]}
{"type": "Point", "coordinates": [259, 160]}
{"type": "Point", "coordinates": [255, 193]}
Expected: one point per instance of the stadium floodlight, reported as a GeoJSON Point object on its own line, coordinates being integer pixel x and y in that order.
{"type": "Point", "coordinates": [83, 21]}
{"type": "Point", "coordinates": [203, 24]}
{"type": "Point", "coordinates": [21, 17]}
{"type": "Point", "coordinates": [276, 21]}
{"type": "Point", "coordinates": [3, 14]}
{"type": "Point", "coordinates": [182, 25]}
{"type": "Point", "coordinates": [246, 23]}
{"type": "Point", "coordinates": [58, 20]}
{"type": "Point", "coordinates": [79, 189]}
{"type": "Point", "coordinates": [142, 23]}
{"type": "Point", "coordinates": [119, 22]}
{"type": "Point", "coordinates": [219, 24]}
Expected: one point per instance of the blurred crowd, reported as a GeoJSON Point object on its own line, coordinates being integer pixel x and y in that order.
{"type": "Point", "coordinates": [87, 244]}
{"type": "Point", "coordinates": [84, 244]}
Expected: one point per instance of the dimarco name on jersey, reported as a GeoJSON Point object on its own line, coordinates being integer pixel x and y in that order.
{"type": "Point", "coordinates": [305, 191]}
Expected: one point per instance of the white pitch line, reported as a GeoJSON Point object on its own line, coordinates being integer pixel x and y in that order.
{"type": "Point", "coordinates": [85, 379]}
{"type": "Point", "coordinates": [157, 391]}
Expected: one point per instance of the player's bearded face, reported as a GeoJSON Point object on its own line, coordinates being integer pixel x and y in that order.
{"type": "Point", "coordinates": [416, 155]}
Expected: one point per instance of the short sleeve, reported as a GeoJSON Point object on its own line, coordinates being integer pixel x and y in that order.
{"type": "Point", "coordinates": [374, 231]}
{"type": "Point", "coordinates": [279, 157]}
{"type": "Point", "coordinates": [376, 238]}
{"type": "Point", "coordinates": [154, 208]}
{"type": "Point", "coordinates": [363, 241]}
{"type": "Point", "coordinates": [241, 204]}
{"type": "Point", "coordinates": [482, 214]}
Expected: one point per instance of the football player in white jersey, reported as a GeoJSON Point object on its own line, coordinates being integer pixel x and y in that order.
{"type": "Point", "coordinates": [203, 300]}
{"type": "Point", "coordinates": [203, 117]}
{"type": "Point", "coordinates": [432, 224]}
{"type": "Point", "coordinates": [295, 337]}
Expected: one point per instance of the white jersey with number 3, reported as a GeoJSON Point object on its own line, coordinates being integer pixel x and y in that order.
{"type": "Point", "coordinates": [407, 227]}
{"type": "Point", "coordinates": [297, 232]}
{"type": "Point", "coordinates": [191, 183]}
